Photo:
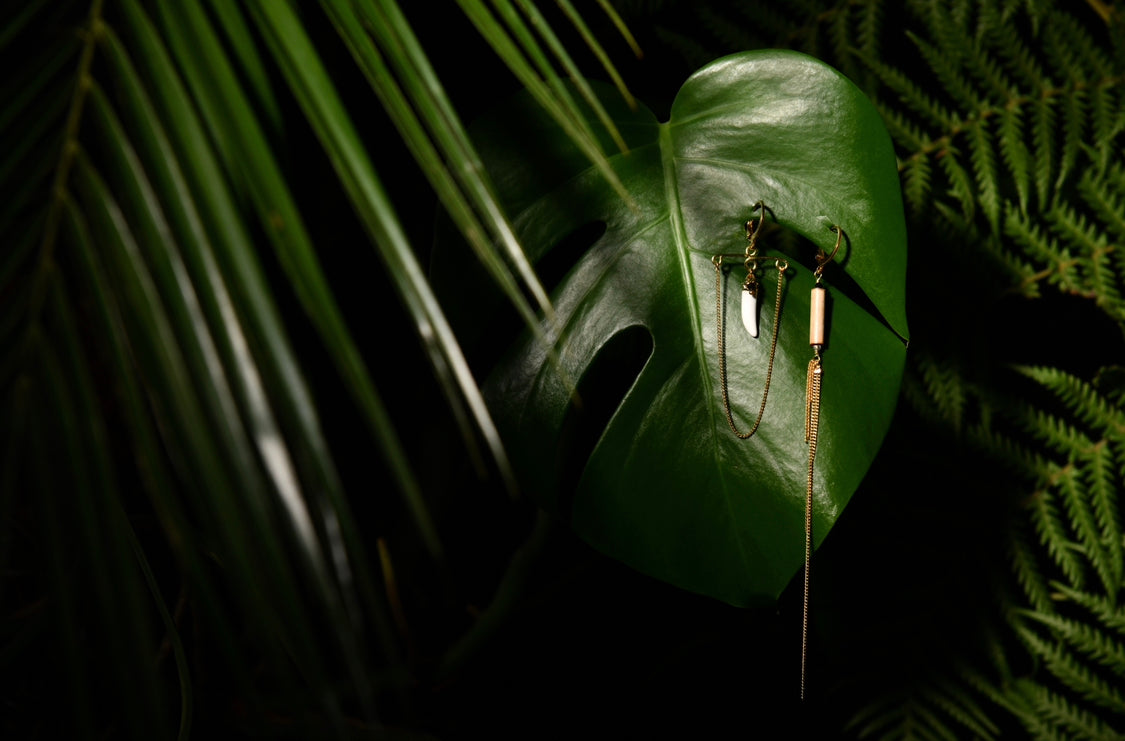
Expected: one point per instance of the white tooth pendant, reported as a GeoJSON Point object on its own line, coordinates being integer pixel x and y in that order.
{"type": "Point", "coordinates": [750, 310]}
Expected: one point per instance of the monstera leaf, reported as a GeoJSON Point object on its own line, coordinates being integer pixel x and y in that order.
{"type": "Point", "coordinates": [667, 487]}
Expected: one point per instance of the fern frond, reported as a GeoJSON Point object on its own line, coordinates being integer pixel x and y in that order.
{"type": "Point", "coordinates": [1026, 569]}
{"type": "Point", "coordinates": [1085, 638]}
{"type": "Point", "coordinates": [1014, 52]}
{"type": "Point", "coordinates": [840, 33]}
{"type": "Point", "coordinates": [943, 60]}
{"type": "Point", "coordinates": [961, 188]}
{"type": "Point", "coordinates": [945, 386]}
{"type": "Point", "coordinates": [1104, 610]}
{"type": "Point", "coordinates": [1105, 119]}
{"type": "Point", "coordinates": [1114, 176]}
{"type": "Point", "coordinates": [1018, 458]}
{"type": "Point", "coordinates": [1066, 39]}
{"type": "Point", "coordinates": [983, 158]}
{"type": "Point", "coordinates": [911, 94]}
{"type": "Point", "coordinates": [1081, 398]}
{"type": "Point", "coordinates": [962, 707]}
{"type": "Point", "coordinates": [1055, 536]}
{"type": "Point", "coordinates": [1049, 711]}
{"type": "Point", "coordinates": [1084, 525]}
{"type": "Point", "coordinates": [1043, 136]}
{"type": "Point", "coordinates": [1074, 127]}
{"type": "Point", "coordinates": [1058, 265]}
{"type": "Point", "coordinates": [1075, 229]}
{"type": "Point", "coordinates": [905, 132]}
{"type": "Point", "coordinates": [938, 708]}
{"type": "Point", "coordinates": [1105, 200]}
{"type": "Point", "coordinates": [1068, 670]}
{"type": "Point", "coordinates": [982, 62]}
{"type": "Point", "coordinates": [1016, 156]}
{"type": "Point", "coordinates": [916, 174]}
{"type": "Point", "coordinates": [1103, 483]}
{"type": "Point", "coordinates": [1057, 433]}
{"type": "Point", "coordinates": [868, 27]}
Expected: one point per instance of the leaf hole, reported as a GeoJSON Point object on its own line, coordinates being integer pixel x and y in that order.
{"type": "Point", "coordinates": [600, 392]}
{"type": "Point", "coordinates": [560, 259]}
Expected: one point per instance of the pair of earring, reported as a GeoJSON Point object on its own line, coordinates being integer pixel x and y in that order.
{"type": "Point", "coordinates": [818, 301]}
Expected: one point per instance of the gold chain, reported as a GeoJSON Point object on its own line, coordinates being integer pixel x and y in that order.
{"type": "Point", "coordinates": [812, 432]}
{"type": "Point", "coordinates": [720, 316]}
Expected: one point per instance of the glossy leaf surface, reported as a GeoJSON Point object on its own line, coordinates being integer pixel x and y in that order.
{"type": "Point", "coordinates": [667, 487]}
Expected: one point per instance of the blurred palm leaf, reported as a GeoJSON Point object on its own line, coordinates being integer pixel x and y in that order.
{"type": "Point", "coordinates": [160, 430]}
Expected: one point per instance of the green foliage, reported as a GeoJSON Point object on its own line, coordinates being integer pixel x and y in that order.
{"type": "Point", "coordinates": [1008, 120]}
{"type": "Point", "coordinates": [667, 488]}
{"type": "Point", "coordinates": [195, 228]}
{"type": "Point", "coordinates": [184, 179]}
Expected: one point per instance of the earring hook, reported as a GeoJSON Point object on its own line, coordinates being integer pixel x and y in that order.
{"type": "Point", "coordinates": [753, 228]}
{"type": "Point", "coordinates": [823, 259]}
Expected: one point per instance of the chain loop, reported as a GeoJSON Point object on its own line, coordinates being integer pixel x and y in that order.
{"type": "Point", "coordinates": [720, 316]}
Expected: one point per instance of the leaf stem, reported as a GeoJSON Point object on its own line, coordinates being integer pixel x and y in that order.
{"type": "Point", "coordinates": [66, 156]}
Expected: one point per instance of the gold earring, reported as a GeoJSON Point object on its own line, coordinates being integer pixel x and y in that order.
{"type": "Point", "coordinates": [817, 340]}
{"type": "Point", "coordinates": [751, 287]}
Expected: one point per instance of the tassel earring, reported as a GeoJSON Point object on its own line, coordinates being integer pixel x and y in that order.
{"type": "Point", "coordinates": [818, 301]}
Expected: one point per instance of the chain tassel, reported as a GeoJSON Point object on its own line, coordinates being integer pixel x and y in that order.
{"type": "Point", "coordinates": [818, 302]}
{"type": "Point", "coordinates": [812, 430]}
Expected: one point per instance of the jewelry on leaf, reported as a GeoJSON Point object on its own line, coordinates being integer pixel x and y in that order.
{"type": "Point", "coordinates": [751, 287]}
{"type": "Point", "coordinates": [818, 305]}
{"type": "Point", "coordinates": [817, 340]}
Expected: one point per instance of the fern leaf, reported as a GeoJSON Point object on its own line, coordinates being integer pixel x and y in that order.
{"type": "Point", "coordinates": [1068, 670]}
{"type": "Point", "coordinates": [868, 27]}
{"type": "Point", "coordinates": [1063, 437]}
{"type": "Point", "coordinates": [963, 708]}
{"type": "Point", "coordinates": [1018, 458]}
{"type": "Point", "coordinates": [942, 60]}
{"type": "Point", "coordinates": [983, 158]}
{"type": "Point", "coordinates": [905, 133]}
{"type": "Point", "coordinates": [1043, 132]}
{"type": "Point", "coordinates": [840, 33]}
{"type": "Point", "coordinates": [1084, 525]}
{"type": "Point", "coordinates": [1103, 485]}
{"type": "Point", "coordinates": [1066, 38]}
{"type": "Point", "coordinates": [961, 186]}
{"type": "Point", "coordinates": [1051, 708]}
{"type": "Point", "coordinates": [1105, 119]}
{"type": "Point", "coordinates": [1053, 534]}
{"type": "Point", "coordinates": [1074, 112]}
{"type": "Point", "coordinates": [1015, 154]}
{"type": "Point", "coordinates": [1107, 203]}
{"type": "Point", "coordinates": [1026, 568]}
{"type": "Point", "coordinates": [922, 723]}
{"type": "Point", "coordinates": [945, 386]}
{"type": "Point", "coordinates": [1085, 638]}
{"type": "Point", "coordinates": [1081, 398]}
{"type": "Point", "coordinates": [875, 717]}
{"type": "Point", "coordinates": [984, 65]}
{"type": "Point", "coordinates": [911, 94]}
{"type": "Point", "coordinates": [1014, 52]}
{"type": "Point", "coordinates": [916, 174]}
{"type": "Point", "coordinates": [1035, 242]}
{"type": "Point", "coordinates": [1103, 609]}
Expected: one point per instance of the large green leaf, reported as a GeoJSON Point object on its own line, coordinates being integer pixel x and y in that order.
{"type": "Point", "coordinates": [667, 488]}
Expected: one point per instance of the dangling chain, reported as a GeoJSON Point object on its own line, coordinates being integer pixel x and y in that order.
{"type": "Point", "coordinates": [817, 336]}
{"type": "Point", "coordinates": [812, 430]}
{"type": "Point", "coordinates": [720, 322]}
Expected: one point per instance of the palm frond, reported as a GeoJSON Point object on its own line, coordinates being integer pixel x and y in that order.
{"type": "Point", "coordinates": [154, 384]}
